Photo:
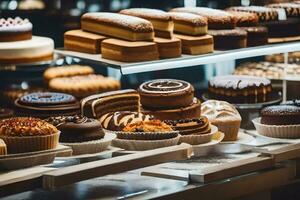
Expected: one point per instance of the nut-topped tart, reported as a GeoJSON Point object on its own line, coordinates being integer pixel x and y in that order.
{"type": "Point", "coordinates": [26, 134]}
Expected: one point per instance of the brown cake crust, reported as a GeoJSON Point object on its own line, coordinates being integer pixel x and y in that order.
{"type": "Point", "coordinates": [240, 89]}
{"type": "Point", "coordinates": [263, 13]}
{"type": "Point", "coordinates": [188, 18]}
{"type": "Point", "coordinates": [256, 36]}
{"type": "Point", "coordinates": [131, 23]}
{"type": "Point", "coordinates": [217, 19]}
{"type": "Point", "coordinates": [147, 13]}
{"type": "Point", "coordinates": [291, 9]}
{"type": "Point", "coordinates": [286, 114]}
{"type": "Point", "coordinates": [166, 93]}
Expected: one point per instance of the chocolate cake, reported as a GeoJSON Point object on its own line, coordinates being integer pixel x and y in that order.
{"type": "Point", "coordinates": [283, 28]}
{"type": "Point", "coordinates": [229, 39]}
{"type": "Point", "coordinates": [46, 104]}
{"type": "Point", "coordinates": [77, 128]}
{"type": "Point", "coordinates": [256, 35]}
{"type": "Point", "coordinates": [16, 29]}
{"type": "Point", "coordinates": [166, 94]}
{"type": "Point", "coordinates": [240, 89]}
{"type": "Point", "coordinates": [245, 19]}
{"type": "Point", "coordinates": [96, 106]}
{"type": "Point", "coordinates": [284, 114]}
{"type": "Point", "coordinates": [291, 9]}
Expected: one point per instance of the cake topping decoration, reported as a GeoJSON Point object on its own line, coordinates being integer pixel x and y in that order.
{"type": "Point", "coordinates": [164, 86]}
{"type": "Point", "coordinates": [58, 121]}
{"type": "Point", "coordinates": [15, 24]}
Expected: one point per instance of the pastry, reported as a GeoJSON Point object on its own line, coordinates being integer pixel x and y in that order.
{"type": "Point", "coordinates": [240, 89]}
{"type": "Point", "coordinates": [77, 128]}
{"type": "Point", "coordinates": [82, 41]}
{"type": "Point", "coordinates": [26, 134]}
{"type": "Point", "coordinates": [96, 106]}
{"type": "Point", "coordinates": [229, 39]}
{"type": "Point", "coordinates": [118, 25]}
{"type": "Point", "coordinates": [125, 51]}
{"type": "Point", "coordinates": [38, 49]}
{"type": "Point", "coordinates": [189, 24]}
{"type": "Point", "coordinates": [196, 45]}
{"type": "Point", "coordinates": [3, 148]}
{"type": "Point", "coordinates": [5, 113]}
{"type": "Point", "coordinates": [189, 112]}
{"type": "Point", "coordinates": [291, 9]}
{"type": "Point", "coordinates": [116, 121]}
{"type": "Point", "coordinates": [67, 71]}
{"type": "Point", "coordinates": [46, 104]}
{"type": "Point", "coordinates": [83, 86]}
{"type": "Point", "coordinates": [217, 19]}
{"type": "Point", "coordinates": [166, 93]}
{"type": "Point", "coordinates": [197, 126]}
{"type": "Point", "coordinates": [245, 19]}
{"type": "Point", "coordinates": [285, 114]}
{"type": "Point", "coordinates": [256, 36]}
{"type": "Point", "coordinates": [147, 130]}
{"type": "Point", "coordinates": [168, 48]}
{"type": "Point", "coordinates": [283, 28]}
{"type": "Point", "coordinates": [161, 20]}
{"type": "Point", "coordinates": [223, 115]}
{"type": "Point", "coordinates": [263, 13]}
{"type": "Point", "coordinates": [268, 70]}
{"type": "Point", "coordinates": [15, 29]}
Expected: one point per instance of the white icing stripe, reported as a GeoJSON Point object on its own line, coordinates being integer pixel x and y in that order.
{"type": "Point", "coordinates": [173, 89]}
{"type": "Point", "coordinates": [17, 28]}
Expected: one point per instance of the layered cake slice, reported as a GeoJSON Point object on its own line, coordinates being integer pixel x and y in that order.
{"type": "Point", "coordinates": [189, 24]}
{"type": "Point", "coordinates": [96, 106]}
{"type": "Point", "coordinates": [263, 13]}
{"type": "Point", "coordinates": [118, 25]}
{"type": "Point", "coordinates": [217, 19]}
{"type": "Point", "coordinates": [161, 21]}
{"type": "Point", "coordinates": [168, 48]}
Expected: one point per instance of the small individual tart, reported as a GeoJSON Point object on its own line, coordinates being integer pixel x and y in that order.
{"type": "Point", "coordinates": [3, 148]}
{"type": "Point", "coordinates": [27, 134]}
{"type": "Point", "coordinates": [147, 130]}
{"type": "Point", "coordinates": [191, 126]}
{"type": "Point", "coordinates": [116, 121]}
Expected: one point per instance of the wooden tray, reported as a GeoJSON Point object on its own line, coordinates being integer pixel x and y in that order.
{"type": "Point", "coordinates": [24, 160]}
{"type": "Point", "coordinates": [72, 174]}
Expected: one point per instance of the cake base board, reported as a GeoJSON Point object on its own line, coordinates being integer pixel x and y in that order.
{"type": "Point", "coordinates": [282, 40]}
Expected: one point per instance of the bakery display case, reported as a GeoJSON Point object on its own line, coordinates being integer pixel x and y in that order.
{"type": "Point", "coordinates": [99, 111]}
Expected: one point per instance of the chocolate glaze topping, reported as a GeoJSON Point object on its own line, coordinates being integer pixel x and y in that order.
{"type": "Point", "coordinates": [164, 86]}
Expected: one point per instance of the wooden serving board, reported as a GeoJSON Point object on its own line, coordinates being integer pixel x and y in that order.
{"type": "Point", "coordinates": [72, 174]}
{"type": "Point", "coordinates": [23, 160]}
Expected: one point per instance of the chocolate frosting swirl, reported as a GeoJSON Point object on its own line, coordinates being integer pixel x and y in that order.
{"type": "Point", "coordinates": [164, 86]}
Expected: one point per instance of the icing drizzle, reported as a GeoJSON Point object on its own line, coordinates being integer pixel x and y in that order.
{"type": "Point", "coordinates": [164, 86]}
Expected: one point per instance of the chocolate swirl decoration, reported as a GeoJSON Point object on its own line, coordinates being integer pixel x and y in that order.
{"type": "Point", "coordinates": [58, 121]}
{"type": "Point", "coordinates": [164, 86]}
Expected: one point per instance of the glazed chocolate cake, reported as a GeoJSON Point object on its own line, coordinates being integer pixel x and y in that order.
{"type": "Point", "coordinates": [283, 28]}
{"type": "Point", "coordinates": [284, 114]}
{"type": "Point", "coordinates": [46, 104]}
{"type": "Point", "coordinates": [16, 29]}
{"type": "Point", "coordinates": [166, 93]}
{"type": "Point", "coordinates": [77, 128]}
{"type": "Point", "coordinates": [96, 106]}
{"type": "Point", "coordinates": [229, 39]}
{"type": "Point", "coordinates": [240, 89]}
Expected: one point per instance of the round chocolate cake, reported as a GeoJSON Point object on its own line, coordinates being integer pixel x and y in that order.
{"type": "Point", "coordinates": [47, 104]}
{"type": "Point", "coordinates": [240, 89]}
{"type": "Point", "coordinates": [166, 93]}
{"type": "Point", "coordinates": [77, 128]}
{"type": "Point", "coordinates": [284, 114]}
